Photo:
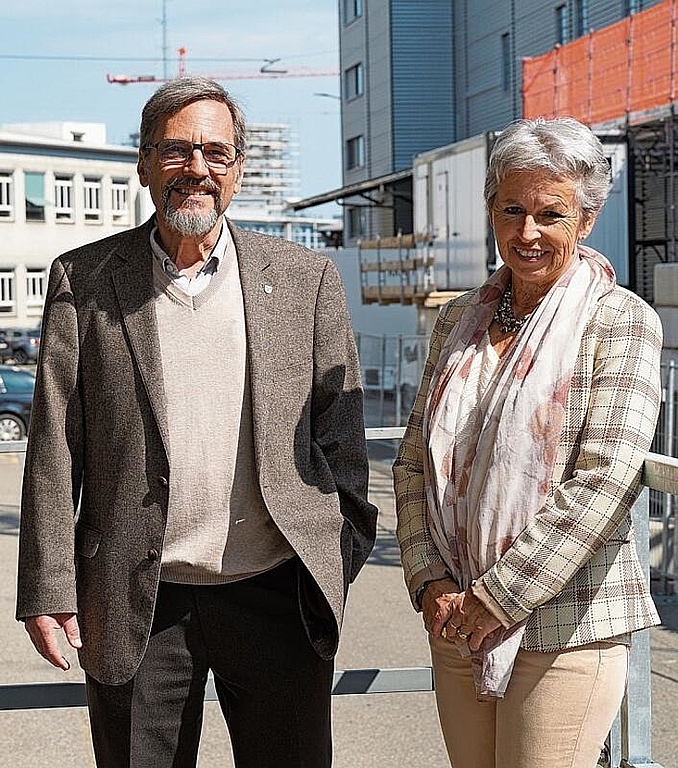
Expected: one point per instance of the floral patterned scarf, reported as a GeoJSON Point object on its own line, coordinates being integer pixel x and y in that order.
{"type": "Point", "coordinates": [488, 474]}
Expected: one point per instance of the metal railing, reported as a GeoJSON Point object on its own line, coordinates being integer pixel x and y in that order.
{"type": "Point", "coordinates": [391, 369]}
{"type": "Point", "coordinates": [629, 742]}
{"type": "Point", "coordinates": [663, 528]}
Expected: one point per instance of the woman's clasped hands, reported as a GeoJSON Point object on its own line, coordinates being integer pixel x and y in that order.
{"type": "Point", "coordinates": [458, 616]}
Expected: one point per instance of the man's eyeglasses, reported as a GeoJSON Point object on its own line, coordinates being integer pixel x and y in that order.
{"type": "Point", "coordinates": [218, 156]}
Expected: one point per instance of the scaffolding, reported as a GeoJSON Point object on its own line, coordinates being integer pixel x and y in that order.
{"type": "Point", "coordinates": [653, 152]}
{"type": "Point", "coordinates": [624, 76]}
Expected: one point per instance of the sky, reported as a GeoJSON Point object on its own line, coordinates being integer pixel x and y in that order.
{"type": "Point", "coordinates": [55, 57]}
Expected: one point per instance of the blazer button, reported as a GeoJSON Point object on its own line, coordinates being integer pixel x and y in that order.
{"type": "Point", "coordinates": [152, 555]}
{"type": "Point", "coordinates": [163, 481]}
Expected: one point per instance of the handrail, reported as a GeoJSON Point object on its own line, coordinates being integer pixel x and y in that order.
{"type": "Point", "coordinates": [21, 696]}
{"type": "Point", "coordinates": [384, 433]}
{"type": "Point", "coordinates": [661, 473]}
{"type": "Point", "coordinates": [13, 446]}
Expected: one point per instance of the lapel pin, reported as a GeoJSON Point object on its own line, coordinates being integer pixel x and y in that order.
{"type": "Point", "coordinates": [268, 288]}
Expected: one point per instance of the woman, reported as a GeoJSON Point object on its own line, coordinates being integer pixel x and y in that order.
{"type": "Point", "coordinates": [521, 461]}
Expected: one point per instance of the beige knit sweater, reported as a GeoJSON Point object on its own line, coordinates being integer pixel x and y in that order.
{"type": "Point", "coordinates": [218, 527]}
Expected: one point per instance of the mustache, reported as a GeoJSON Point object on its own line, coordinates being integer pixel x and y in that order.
{"type": "Point", "coordinates": [206, 185]}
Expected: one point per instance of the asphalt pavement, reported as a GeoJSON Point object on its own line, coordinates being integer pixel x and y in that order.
{"type": "Point", "coordinates": [381, 631]}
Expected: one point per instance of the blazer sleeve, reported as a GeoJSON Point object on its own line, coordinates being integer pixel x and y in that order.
{"type": "Point", "coordinates": [337, 413]}
{"type": "Point", "coordinates": [419, 555]}
{"type": "Point", "coordinates": [584, 511]}
{"type": "Point", "coordinates": [54, 460]}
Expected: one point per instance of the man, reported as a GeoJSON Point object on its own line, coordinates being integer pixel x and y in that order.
{"type": "Point", "coordinates": [198, 402]}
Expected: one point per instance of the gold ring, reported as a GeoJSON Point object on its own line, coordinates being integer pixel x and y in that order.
{"type": "Point", "coordinates": [462, 635]}
{"type": "Point", "coordinates": [452, 626]}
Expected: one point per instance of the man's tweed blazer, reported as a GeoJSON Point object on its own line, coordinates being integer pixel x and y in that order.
{"type": "Point", "coordinates": [573, 573]}
{"type": "Point", "coordinates": [99, 440]}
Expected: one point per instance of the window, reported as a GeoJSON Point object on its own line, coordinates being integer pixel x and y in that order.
{"type": "Point", "coordinates": [352, 9]}
{"type": "Point", "coordinates": [17, 381]}
{"type": "Point", "coordinates": [6, 195]}
{"type": "Point", "coordinates": [119, 201]}
{"type": "Point", "coordinates": [35, 196]}
{"type": "Point", "coordinates": [562, 31]}
{"type": "Point", "coordinates": [355, 152]}
{"type": "Point", "coordinates": [36, 285]}
{"type": "Point", "coordinates": [354, 81]}
{"type": "Point", "coordinates": [7, 300]}
{"type": "Point", "coordinates": [92, 201]}
{"type": "Point", "coordinates": [356, 222]}
{"type": "Point", "coordinates": [506, 62]}
{"type": "Point", "coordinates": [581, 17]}
{"type": "Point", "coordinates": [63, 197]}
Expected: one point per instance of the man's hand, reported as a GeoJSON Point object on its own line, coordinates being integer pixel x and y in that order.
{"type": "Point", "coordinates": [44, 632]}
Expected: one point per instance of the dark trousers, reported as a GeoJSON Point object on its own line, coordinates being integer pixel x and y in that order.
{"type": "Point", "coordinates": [273, 688]}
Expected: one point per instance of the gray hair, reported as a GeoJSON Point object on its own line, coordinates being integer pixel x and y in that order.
{"type": "Point", "coordinates": [562, 147]}
{"type": "Point", "coordinates": [179, 93]}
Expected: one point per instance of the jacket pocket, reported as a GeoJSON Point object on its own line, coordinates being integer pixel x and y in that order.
{"type": "Point", "coordinates": [87, 540]}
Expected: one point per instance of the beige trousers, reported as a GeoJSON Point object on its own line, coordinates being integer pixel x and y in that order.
{"type": "Point", "coordinates": [557, 711]}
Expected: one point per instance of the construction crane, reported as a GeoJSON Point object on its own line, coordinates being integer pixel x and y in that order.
{"type": "Point", "coordinates": [267, 70]}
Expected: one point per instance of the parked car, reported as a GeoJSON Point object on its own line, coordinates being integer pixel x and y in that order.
{"type": "Point", "coordinates": [23, 345]}
{"type": "Point", "coordinates": [16, 397]}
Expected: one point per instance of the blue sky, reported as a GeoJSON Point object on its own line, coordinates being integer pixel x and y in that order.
{"type": "Point", "coordinates": [81, 41]}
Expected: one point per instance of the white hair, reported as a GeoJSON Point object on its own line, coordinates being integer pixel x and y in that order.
{"type": "Point", "coordinates": [562, 147]}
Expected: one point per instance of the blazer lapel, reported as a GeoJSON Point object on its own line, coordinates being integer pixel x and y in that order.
{"type": "Point", "coordinates": [133, 282]}
{"type": "Point", "coordinates": [259, 296]}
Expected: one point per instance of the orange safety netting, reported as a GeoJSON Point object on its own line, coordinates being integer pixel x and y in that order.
{"type": "Point", "coordinates": [627, 68]}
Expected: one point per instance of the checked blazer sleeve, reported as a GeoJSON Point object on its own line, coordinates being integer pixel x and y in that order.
{"type": "Point", "coordinates": [419, 555]}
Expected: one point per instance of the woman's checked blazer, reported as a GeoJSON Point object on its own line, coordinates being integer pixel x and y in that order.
{"type": "Point", "coordinates": [573, 573]}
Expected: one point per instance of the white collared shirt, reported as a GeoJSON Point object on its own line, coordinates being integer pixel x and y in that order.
{"type": "Point", "coordinates": [192, 286]}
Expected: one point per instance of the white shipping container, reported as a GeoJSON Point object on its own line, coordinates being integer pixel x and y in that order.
{"type": "Point", "coordinates": [450, 210]}
{"type": "Point", "coordinates": [448, 207]}
{"type": "Point", "coordinates": [610, 234]}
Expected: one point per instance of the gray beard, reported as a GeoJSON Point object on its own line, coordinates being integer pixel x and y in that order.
{"type": "Point", "coordinates": [190, 224]}
{"type": "Point", "coordinates": [186, 222]}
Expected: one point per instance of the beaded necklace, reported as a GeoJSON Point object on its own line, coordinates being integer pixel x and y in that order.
{"type": "Point", "coordinates": [504, 315]}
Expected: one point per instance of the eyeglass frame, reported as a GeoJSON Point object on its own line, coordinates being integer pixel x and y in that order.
{"type": "Point", "coordinates": [197, 145]}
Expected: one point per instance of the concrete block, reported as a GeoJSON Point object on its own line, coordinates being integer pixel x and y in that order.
{"type": "Point", "coordinates": [666, 285]}
{"type": "Point", "coordinates": [669, 318]}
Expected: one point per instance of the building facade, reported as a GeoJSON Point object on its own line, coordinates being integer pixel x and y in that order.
{"type": "Point", "coordinates": [417, 76]}
{"type": "Point", "coordinates": [396, 100]}
{"type": "Point", "coordinates": [61, 185]}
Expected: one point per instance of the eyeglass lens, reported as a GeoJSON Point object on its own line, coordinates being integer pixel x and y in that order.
{"type": "Point", "coordinates": [215, 153]}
